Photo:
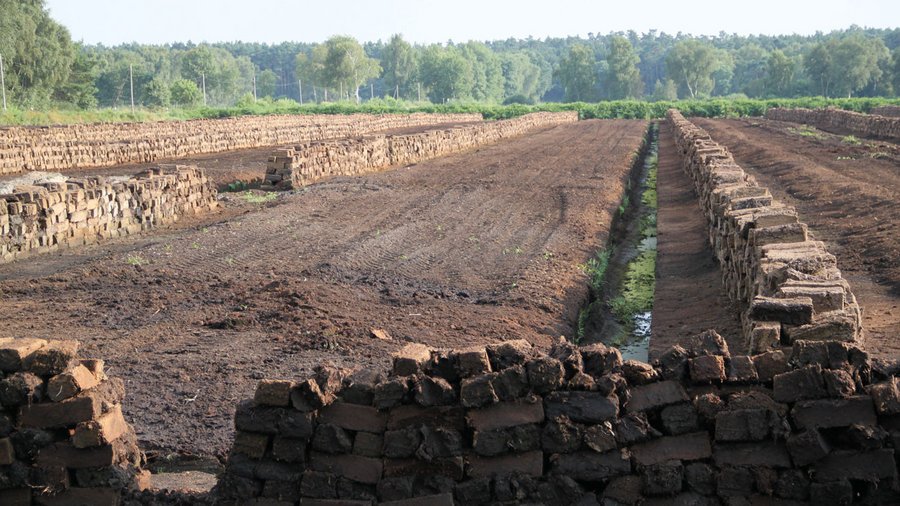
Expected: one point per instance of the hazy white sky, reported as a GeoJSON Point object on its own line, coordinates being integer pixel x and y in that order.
{"type": "Point", "coordinates": [159, 21]}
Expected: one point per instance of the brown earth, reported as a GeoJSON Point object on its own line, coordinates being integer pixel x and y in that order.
{"type": "Point", "coordinates": [846, 193]}
{"type": "Point", "coordinates": [471, 248]}
{"type": "Point", "coordinates": [690, 296]}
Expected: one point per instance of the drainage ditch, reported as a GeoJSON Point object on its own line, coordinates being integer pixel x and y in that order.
{"type": "Point", "coordinates": [623, 274]}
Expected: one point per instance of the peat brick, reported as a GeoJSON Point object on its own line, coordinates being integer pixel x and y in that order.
{"type": "Point", "coordinates": [104, 430]}
{"type": "Point", "coordinates": [770, 364]}
{"type": "Point", "coordinates": [700, 478]}
{"type": "Point", "coordinates": [286, 449]}
{"type": "Point", "coordinates": [827, 413]}
{"type": "Point", "coordinates": [600, 437]}
{"type": "Point", "coordinates": [452, 468]}
{"type": "Point", "coordinates": [52, 359]}
{"type": "Point", "coordinates": [250, 444]}
{"type": "Point", "coordinates": [318, 485]}
{"type": "Point", "coordinates": [870, 466]}
{"type": "Point", "coordinates": [305, 396]}
{"type": "Point", "coordinates": [655, 395]}
{"type": "Point", "coordinates": [599, 359]}
{"type": "Point", "coordinates": [742, 425]}
{"type": "Point", "coordinates": [591, 466]}
{"type": "Point", "coordinates": [663, 479]}
{"type": "Point", "coordinates": [735, 482]}
{"type": "Point", "coordinates": [707, 369]}
{"type": "Point", "coordinates": [359, 387]}
{"type": "Point", "coordinates": [478, 391]}
{"type": "Point", "coordinates": [634, 428]}
{"type": "Point", "coordinates": [21, 388]}
{"type": "Point", "coordinates": [273, 393]}
{"type": "Point", "coordinates": [402, 443]}
{"type": "Point", "coordinates": [886, 396]}
{"type": "Point", "coordinates": [740, 369]}
{"type": "Point", "coordinates": [368, 444]}
{"type": "Point", "coordinates": [450, 417]}
{"type": "Point", "coordinates": [328, 438]}
{"type": "Point", "coordinates": [807, 447]}
{"type": "Point", "coordinates": [769, 454]}
{"type": "Point", "coordinates": [476, 491]}
{"type": "Point", "coordinates": [832, 493]}
{"type": "Point", "coordinates": [507, 414]}
{"type": "Point", "coordinates": [283, 491]}
{"type": "Point", "coordinates": [792, 484]}
{"type": "Point", "coordinates": [560, 435]}
{"type": "Point", "coordinates": [686, 447]}
{"type": "Point", "coordinates": [799, 384]}
{"type": "Point", "coordinates": [529, 463]}
{"type": "Point", "coordinates": [411, 359]}
{"type": "Point", "coordinates": [672, 363]}
{"type": "Point", "coordinates": [792, 311]}
{"type": "Point", "coordinates": [13, 352]}
{"type": "Point", "coordinates": [583, 407]}
{"type": "Point", "coordinates": [428, 391]}
{"type": "Point", "coordinates": [545, 374]}
{"type": "Point", "coordinates": [679, 419]}
{"type": "Point", "coordinates": [390, 393]}
{"type": "Point", "coordinates": [509, 353]}
{"type": "Point", "coordinates": [353, 417]}
{"type": "Point", "coordinates": [708, 342]}
{"type": "Point", "coordinates": [839, 383]}
{"type": "Point", "coordinates": [354, 467]}
{"type": "Point", "coordinates": [472, 362]}
{"type": "Point", "coordinates": [510, 383]}
{"type": "Point", "coordinates": [638, 373]}
{"type": "Point", "coordinates": [445, 499]}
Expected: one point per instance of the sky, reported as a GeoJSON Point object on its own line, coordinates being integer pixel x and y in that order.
{"type": "Point", "coordinates": [112, 22]}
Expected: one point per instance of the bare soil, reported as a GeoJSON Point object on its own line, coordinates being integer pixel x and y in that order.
{"type": "Point", "coordinates": [472, 248]}
{"type": "Point", "coordinates": [846, 193]}
{"type": "Point", "coordinates": [690, 296]}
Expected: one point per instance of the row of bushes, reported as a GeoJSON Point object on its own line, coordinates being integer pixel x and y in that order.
{"type": "Point", "coordinates": [626, 109]}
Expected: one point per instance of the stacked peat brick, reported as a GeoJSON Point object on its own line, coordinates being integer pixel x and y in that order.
{"type": "Point", "coordinates": [508, 424]}
{"type": "Point", "coordinates": [891, 111]}
{"type": "Point", "coordinates": [788, 285]}
{"type": "Point", "coordinates": [48, 216]}
{"type": "Point", "coordinates": [63, 440]}
{"type": "Point", "coordinates": [831, 119]}
{"type": "Point", "coordinates": [306, 163]}
{"type": "Point", "coordinates": [106, 144]}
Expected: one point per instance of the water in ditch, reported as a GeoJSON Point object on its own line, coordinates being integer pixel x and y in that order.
{"type": "Point", "coordinates": [623, 274]}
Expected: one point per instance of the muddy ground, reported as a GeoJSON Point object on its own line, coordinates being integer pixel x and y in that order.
{"type": "Point", "coordinates": [470, 248]}
{"type": "Point", "coordinates": [846, 190]}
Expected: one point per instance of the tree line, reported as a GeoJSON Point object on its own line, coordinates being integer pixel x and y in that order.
{"type": "Point", "coordinates": [45, 68]}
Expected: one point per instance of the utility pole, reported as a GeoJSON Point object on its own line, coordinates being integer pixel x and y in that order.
{"type": "Point", "coordinates": [371, 91]}
{"type": "Point", "coordinates": [300, 82]}
{"type": "Point", "coordinates": [131, 82]}
{"type": "Point", "coordinates": [203, 80]}
{"type": "Point", "coordinates": [2, 83]}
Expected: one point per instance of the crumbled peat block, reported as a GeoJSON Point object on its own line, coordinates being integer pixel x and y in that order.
{"type": "Point", "coordinates": [511, 424]}
{"type": "Point", "coordinates": [84, 211]}
{"type": "Point", "coordinates": [787, 286]}
{"type": "Point", "coordinates": [63, 439]}
{"type": "Point", "coordinates": [308, 162]}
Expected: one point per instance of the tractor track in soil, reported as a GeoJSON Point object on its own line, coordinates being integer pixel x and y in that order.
{"type": "Point", "coordinates": [466, 249]}
{"type": "Point", "coordinates": [847, 194]}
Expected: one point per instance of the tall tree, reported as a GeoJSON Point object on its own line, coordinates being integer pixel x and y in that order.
{"type": "Point", "coordinates": [400, 66]}
{"type": "Point", "coordinates": [446, 74]}
{"type": "Point", "coordinates": [266, 83]}
{"type": "Point", "coordinates": [347, 66]}
{"type": "Point", "coordinates": [521, 76]}
{"type": "Point", "coordinates": [577, 74]}
{"type": "Point", "coordinates": [751, 66]}
{"type": "Point", "coordinates": [487, 72]}
{"type": "Point", "coordinates": [37, 51]}
{"type": "Point", "coordinates": [780, 70]}
{"type": "Point", "coordinates": [691, 63]}
{"type": "Point", "coordinates": [622, 78]}
{"type": "Point", "coordinates": [819, 66]}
